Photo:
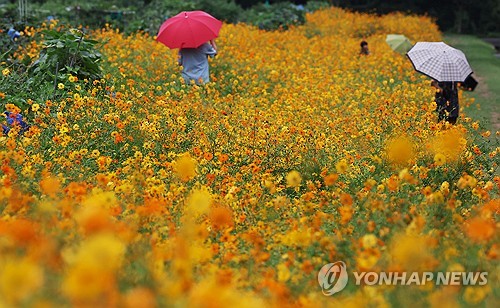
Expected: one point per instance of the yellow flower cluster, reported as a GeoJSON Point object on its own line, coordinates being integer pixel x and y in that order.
{"type": "Point", "coordinates": [138, 190]}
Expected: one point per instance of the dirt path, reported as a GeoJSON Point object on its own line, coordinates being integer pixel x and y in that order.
{"type": "Point", "coordinates": [485, 97]}
{"type": "Point", "coordinates": [495, 115]}
{"type": "Point", "coordinates": [484, 92]}
{"type": "Point", "coordinates": [495, 121]}
{"type": "Point", "coordinates": [495, 42]}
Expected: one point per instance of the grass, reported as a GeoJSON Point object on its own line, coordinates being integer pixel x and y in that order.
{"type": "Point", "coordinates": [486, 67]}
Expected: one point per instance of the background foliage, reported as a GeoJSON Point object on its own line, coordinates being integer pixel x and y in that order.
{"type": "Point", "coordinates": [460, 16]}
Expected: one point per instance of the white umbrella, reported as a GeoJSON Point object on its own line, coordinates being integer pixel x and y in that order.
{"type": "Point", "coordinates": [439, 61]}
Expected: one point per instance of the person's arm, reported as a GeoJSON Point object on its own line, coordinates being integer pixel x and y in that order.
{"type": "Point", "coordinates": [212, 42]}
{"type": "Point", "coordinates": [435, 84]}
{"type": "Point", "coordinates": [179, 58]}
{"type": "Point", "coordinates": [209, 50]}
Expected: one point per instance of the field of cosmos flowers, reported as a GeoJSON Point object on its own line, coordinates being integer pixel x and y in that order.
{"type": "Point", "coordinates": [136, 190]}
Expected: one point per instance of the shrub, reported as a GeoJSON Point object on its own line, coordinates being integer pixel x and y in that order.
{"type": "Point", "coordinates": [226, 10]}
{"type": "Point", "coordinates": [275, 16]}
{"type": "Point", "coordinates": [150, 17]}
{"type": "Point", "coordinates": [68, 53]}
{"type": "Point", "coordinates": [65, 53]}
{"type": "Point", "coordinates": [312, 6]}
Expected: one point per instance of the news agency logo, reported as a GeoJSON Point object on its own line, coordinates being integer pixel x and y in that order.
{"type": "Point", "coordinates": [333, 278]}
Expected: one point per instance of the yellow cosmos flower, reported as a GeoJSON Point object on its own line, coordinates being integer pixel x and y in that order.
{"type": "Point", "coordinates": [95, 153]}
{"type": "Point", "coordinates": [293, 179]}
{"type": "Point", "coordinates": [445, 188]}
{"type": "Point", "coordinates": [198, 202]}
{"type": "Point", "coordinates": [185, 167]}
{"type": "Point", "coordinates": [411, 252]}
{"type": "Point", "coordinates": [369, 241]}
{"type": "Point", "coordinates": [86, 284]}
{"type": "Point", "coordinates": [35, 107]}
{"type": "Point", "coordinates": [367, 259]}
{"type": "Point", "coordinates": [102, 251]}
{"type": "Point", "coordinates": [283, 272]}
{"type": "Point", "coordinates": [400, 150]}
{"type": "Point", "coordinates": [439, 159]}
{"type": "Point", "coordinates": [19, 279]}
{"type": "Point", "coordinates": [341, 166]}
{"type": "Point", "coordinates": [474, 295]}
{"type": "Point", "coordinates": [450, 143]}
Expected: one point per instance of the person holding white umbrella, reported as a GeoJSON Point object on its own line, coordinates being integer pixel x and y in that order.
{"type": "Point", "coordinates": [447, 66]}
{"type": "Point", "coordinates": [446, 100]}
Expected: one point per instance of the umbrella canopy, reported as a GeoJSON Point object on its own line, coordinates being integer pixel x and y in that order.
{"type": "Point", "coordinates": [189, 29]}
{"type": "Point", "coordinates": [469, 84]}
{"type": "Point", "coordinates": [399, 43]}
{"type": "Point", "coordinates": [439, 61]}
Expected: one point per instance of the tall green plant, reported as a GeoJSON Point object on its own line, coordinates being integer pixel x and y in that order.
{"type": "Point", "coordinates": [68, 52]}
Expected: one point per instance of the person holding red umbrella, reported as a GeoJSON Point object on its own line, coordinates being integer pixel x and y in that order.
{"type": "Point", "coordinates": [193, 32]}
{"type": "Point", "coordinates": [194, 62]}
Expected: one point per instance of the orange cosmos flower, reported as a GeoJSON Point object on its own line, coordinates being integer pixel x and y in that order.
{"type": "Point", "coordinates": [22, 231]}
{"type": "Point", "coordinates": [480, 229]}
{"type": "Point", "coordinates": [345, 214]}
{"type": "Point", "coordinates": [139, 297]}
{"type": "Point", "coordinates": [330, 179]}
{"type": "Point", "coordinates": [346, 199]}
{"type": "Point", "coordinates": [50, 186]}
{"type": "Point", "coordinates": [152, 207]}
{"type": "Point", "coordinates": [223, 158]}
{"type": "Point", "coordinates": [221, 217]}
{"type": "Point", "coordinates": [493, 252]}
{"type": "Point", "coordinates": [208, 156]}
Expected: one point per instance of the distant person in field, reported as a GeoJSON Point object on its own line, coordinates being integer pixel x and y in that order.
{"type": "Point", "coordinates": [194, 62]}
{"type": "Point", "coordinates": [446, 99]}
{"type": "Point", "coordinates": [364, 48]}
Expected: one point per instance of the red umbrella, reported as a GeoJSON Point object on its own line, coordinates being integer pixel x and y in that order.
{"type": "Point", "coordinates": [189, 30]}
